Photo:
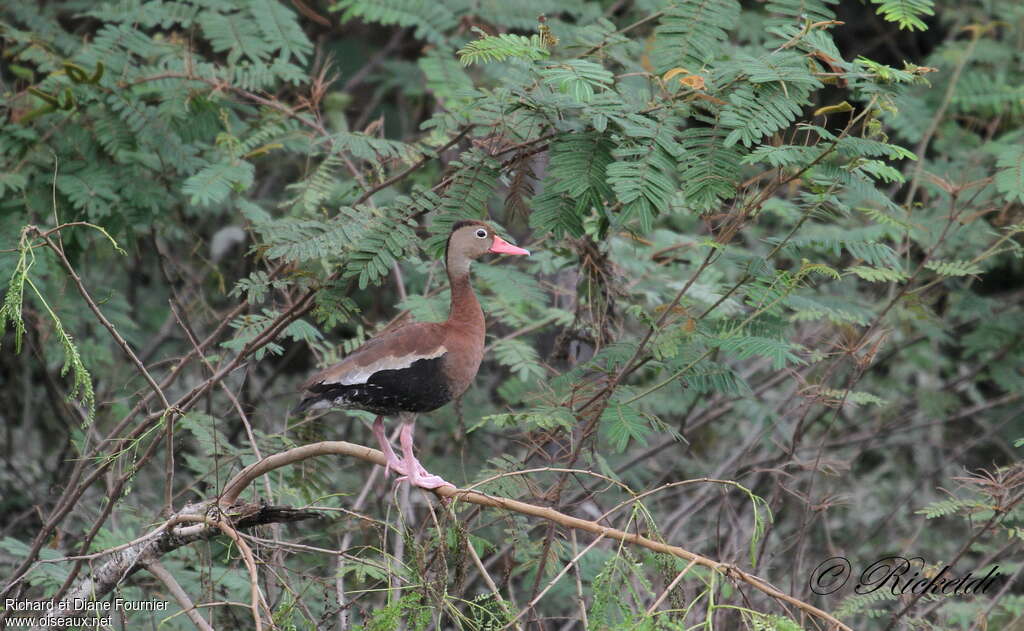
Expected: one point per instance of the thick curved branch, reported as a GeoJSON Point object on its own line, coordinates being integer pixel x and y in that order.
{"type": "Point", "coordinates": [243, 478]}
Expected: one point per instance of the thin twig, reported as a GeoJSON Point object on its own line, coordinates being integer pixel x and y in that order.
{"type": "Point", "coordinates": [158, 570]}
{"type": "Point", "coordinates": [102, 318]}
{"type": "Point", "coordinates": [490, 582]}
{"type": "Point", "coordinates": [572, 563]}
{"type": "Point", "coordinates": [247, 557]}
{"type": "Point", "coordinates": [933, 125]}
{"type": "Point", "coordinates": [668, 589]}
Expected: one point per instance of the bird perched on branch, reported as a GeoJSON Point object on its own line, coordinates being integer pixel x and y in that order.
{"type": "Point", "coordinates": [418, 367]}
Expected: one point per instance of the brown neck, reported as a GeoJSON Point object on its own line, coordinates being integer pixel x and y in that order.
{"type": "Point", "coordinates": [465, 312]}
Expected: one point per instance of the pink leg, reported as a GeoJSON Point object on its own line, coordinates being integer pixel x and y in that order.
{"type": "Point", "coordinates": [414, 471]}
{"type": "Point", "coordinates": [393, 461]}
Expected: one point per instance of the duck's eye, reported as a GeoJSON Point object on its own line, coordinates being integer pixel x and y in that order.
{"type": "Point", "coordinates": [481, 233]}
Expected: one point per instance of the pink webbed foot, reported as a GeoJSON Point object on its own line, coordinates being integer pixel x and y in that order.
{"type": "Point", "coordinates": [424, 479]}
{"type": "Point", "coordinates": [414, 472]}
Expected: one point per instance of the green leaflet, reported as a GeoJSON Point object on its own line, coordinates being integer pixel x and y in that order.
{"type": "Point", "coordinates": [690, 34]}
{"type": "Point", "coordinates": [215, 182]}
{"type": "Point", "coordinates": [430, 19]}
{"type": "Point", "coordinates": [906, 13]}
{"type": "Point", "coordinates": [1009, 178]}
{"type": "Point", "coordinates": [501, 47]}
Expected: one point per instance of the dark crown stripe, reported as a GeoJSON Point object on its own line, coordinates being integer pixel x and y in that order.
{"type": "Point", "coordinates": [462, 223]}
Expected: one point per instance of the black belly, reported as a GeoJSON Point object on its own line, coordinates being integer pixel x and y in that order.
{"type": "Point", "coordinates": [420, 387]}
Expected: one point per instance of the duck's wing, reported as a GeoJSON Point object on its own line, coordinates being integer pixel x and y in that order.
{"type": "Point", "coordinates": [387, 356]}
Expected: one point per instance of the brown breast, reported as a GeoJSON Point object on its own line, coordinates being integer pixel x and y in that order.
{"type": "Point", "coordinates": [466, 350]}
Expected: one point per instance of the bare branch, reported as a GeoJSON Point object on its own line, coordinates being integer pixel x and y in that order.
{"type": "Point", "coordinates": [340, 448]}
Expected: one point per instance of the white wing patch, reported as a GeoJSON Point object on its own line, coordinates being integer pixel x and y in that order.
{"type": "Point", "coordinates": [362, 374]}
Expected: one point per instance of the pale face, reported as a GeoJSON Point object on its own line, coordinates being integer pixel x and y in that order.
{"type": "Point", "coordinates": [471, 241]}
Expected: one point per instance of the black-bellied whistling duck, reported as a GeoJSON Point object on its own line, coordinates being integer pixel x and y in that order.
{"type": "Point", "coordinates": [418, 367]}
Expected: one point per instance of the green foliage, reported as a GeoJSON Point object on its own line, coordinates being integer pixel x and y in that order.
{"type": "Point", "coordinates": [578, 78]}
{"type": "Point", "coordinates": [854, 398]}
{"type": "Point", "coordinates": [781, 352]}
{"type": "Point", "coordinates": [612, 588]}
{"type": "Point", "coordinates": [576, 184]}
{"type": "Point", "coordinates": [547, 417]}
{"type": "Point", "coordinates": [643, 173]}
{"type": "Point", "coordinates": [711, 170]}
{"type": "Point", "coordinates": [761, 622]}
{"type": "Point", "coordinates": [779, 85]}
{"type": "Point", "coordinates": [377, 248]}
{"type": "Point", "coordinates": [1009, 178]}
{"type": "Point", "coordinates": [81, 385]}
{"type": "Point", "coordinates": [430, 19]}
{"type": "Point", "coordinates": [501, 47]}
{"type": "Point", "coordinates": [11, 311]}
{"type": "Point", "coordinates": [948, 507]}
{"type": "Point", "coordinates": [980, 92]}
{"type": "Point", "coordinates": [488, 611]}
{"type": "Point", "coordinates": [953, 268]}
{"type": "Point", "coordinates": [623, 424]}
{"type": "Point", "coordinates": [876, 274]}
{"type": "Point", "coordinates": [278, 25]}
{"type": "Point", "coordinates": [250, 326]}
{"type": "Point", "coordinates": [235, 34]}
{"type": "Point", "coordinates": [14, 298]}
{"type": "Point", "coordinates": [407, 610]}
{"type": "Point", "coordinates": [691, 34]}
{"type": "Point", "coordinates": [906, 13]}
{"type": "Point", "coordinates": [519, 357]}
{"type": "Point", "coordinates": [213, 183]}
